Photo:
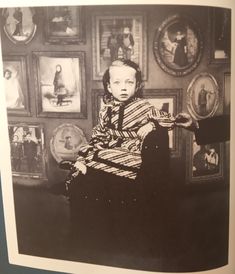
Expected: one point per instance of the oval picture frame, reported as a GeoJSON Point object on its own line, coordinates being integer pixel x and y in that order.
{"type": "Point", "coordinates": [19, 25]}
{"type": "Point", "coordinates": [66, 142]}
{"type": "Point", "coordinates": [178, 45]}
{"type": "Point", "coordinates": [203, 96]}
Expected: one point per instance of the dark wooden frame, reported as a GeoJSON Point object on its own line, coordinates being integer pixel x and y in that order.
{"type": "Point", "coordinates": [83, 100]}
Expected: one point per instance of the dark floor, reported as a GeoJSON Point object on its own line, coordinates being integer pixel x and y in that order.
{"type": "Point", "coordinates": [197, 240]}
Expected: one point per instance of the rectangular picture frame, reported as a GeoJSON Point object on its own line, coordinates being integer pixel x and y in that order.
{"type": "Point", "coordinates": [118, 35]}
{"type": "Point", "coordinates": [205, 163]}
{"type": "Point", "coordinates": [17, 97]}
{"type": "Point", "coordinates": [64, 25]}
{"type": "Point", "coordinates": [60, 92]}
{"type": "Point", "coordinates": [27, 147]}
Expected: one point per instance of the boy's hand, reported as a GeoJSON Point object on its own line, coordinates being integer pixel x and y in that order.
{"type": "Point", "coordinates": [81, 167]}
{"type": "Point", "coordinates": [145, 130]}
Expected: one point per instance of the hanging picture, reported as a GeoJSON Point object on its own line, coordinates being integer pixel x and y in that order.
{"type": "Point", "coordinates": [220, 38]}
{"type": "Point", "coordinates": [66, 141]}
{"type": "Point", "coordinates": [203, 96]}
{"type": "Point", "coordinates": [118, 35]}
{"type": "Point", "coordinates": [205, 162]}
{"type": "Point", "coordinates": [19, 24]}
{"type": "Point", "coordinates": [60, 84]}
{"type": "Point", "coordinates": [15, 85]}
{"type": "Point", "coordinates": [63, 24]}
{"type": "Point", "coordinates": [178, 45]}
{"type": "Point", "coordinates": [27, 150]}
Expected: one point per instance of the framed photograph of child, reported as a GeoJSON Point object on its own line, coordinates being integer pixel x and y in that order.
{"type": "Point", "coordinates": [205, 162]}
{"type": "Point", "coordinates": [167, 100]}
{"type": "Point", "coordinates": [60, 84]}
{"type": "Point", "coordinates": [220, 38]}
{"type": "Point", "coordinates": [203, 96]}
{"type": "Point", "coordinates": [66, 142]}
{"type": "Point", "coordinates": [19, 24]}
{"type": "Point", "coordinates": [64, 25]}
{"type": "Point", "coordinates": [27, 150]}
{"type": "Point", "coordinates": [16, 85]}
{"type": "Point", "coordinates": [118, 35]}
{"type": "Point", "coordinates": [178, 45]}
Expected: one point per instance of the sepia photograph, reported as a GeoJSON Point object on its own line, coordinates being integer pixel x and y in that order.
{"type": "Point", "coordinates": [116, 138]}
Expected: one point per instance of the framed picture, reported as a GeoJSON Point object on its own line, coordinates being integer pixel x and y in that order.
{"type": "Point", "coordinates": [64, 25]}
{"type": "Point", "coordinates": [19, 24]}
{"type": "Point", "coordinates": [66, 141]}
{"type": "Point", "coordinates": [220, 38]}
{"type": "Point", "coordinates": [27, 150]}
{"type": "Point", "coordinates": [60, 84]}
{"type": "Point", "coordinates": [118, 35]}
{"type": "Point", "coordinates": [205, 162]}
{"type": "Point", "coordinates": [178, 45]}
{"type": "Point", "coordinates": [16, 85]}
{"type": "Point", "coordinates": [203, 96]}
{"type": "Point", "coordinates": [168, 100]}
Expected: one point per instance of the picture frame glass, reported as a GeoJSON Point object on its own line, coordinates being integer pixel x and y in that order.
{"type": "Point", "coordinates": [19, 24]}
{"type": "Point", "coordinates": [27, 150]}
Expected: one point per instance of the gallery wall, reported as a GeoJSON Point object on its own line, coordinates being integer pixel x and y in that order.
{"type": "Point", "coordinates": [157, 80]}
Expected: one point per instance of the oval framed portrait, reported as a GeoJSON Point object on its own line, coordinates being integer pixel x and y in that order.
{"type": "Point", "coordinates": [19, 24]}
{"type": "Point", "coordinates": [203, 96]}
{"type": "Point", "coordinates": [178, 45]}
{"type": "Point", "coordinates": [66, 142]}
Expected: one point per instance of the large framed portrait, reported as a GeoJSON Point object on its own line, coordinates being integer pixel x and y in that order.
{"type": "Point", "coordinates": [203, 96]}
{"type": "Point", "coordinates": [118, 35]}
{"type": "Point", "coordinates": [168, 100]}
{"type": "Point", "coordinates": [66, 141]}
{"type": "Point", "coordinates": [220, 38]}
{"type": "Point", "coordinates": [27, 150]}
{"type": "Point", "coordinates": [60, 84]}
{"type": "Point", "coordinates": [64, 25]}
{"type": "Point", "coordinates": [178, 45]}
{"type": "Point", "coordinates": [205, 162]}
{"type": "Point", "coordinates": [19, 24]}
{"type": "Point", "coordinates": [16, 85]}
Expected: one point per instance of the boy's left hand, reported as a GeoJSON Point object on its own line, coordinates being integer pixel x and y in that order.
{"type": "Point", "coordinates": [145, 130]}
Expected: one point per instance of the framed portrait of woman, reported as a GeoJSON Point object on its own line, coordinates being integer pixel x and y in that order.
{"type": "Point", "coordinates": [19, 24]}
{"type": "Point", "coordinates": [16, 85]}
{"type": "Point", "coordinates": [178, 45]}
{"type": "Point", "coordinates": [60, 84]}
{"type": "Point", "coordinates": [203, 96]}
{"type": "Point", "coordinates": [118, 35]}
{"type": "Point", "coordinates": [64, 25]}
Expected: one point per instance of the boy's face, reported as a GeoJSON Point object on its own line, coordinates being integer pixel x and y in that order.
{"type": "Point", "coordinates": [122, 83]}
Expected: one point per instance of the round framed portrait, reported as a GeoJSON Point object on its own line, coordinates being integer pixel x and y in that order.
{"type": "Point", "coordinates": [203, 96]}
{"type": "Point", "coordinates": [19, 24]}
{"type": "Point", "coordinates": [66, 142]}
{"type": "Point", "coordinates": [178, 45]}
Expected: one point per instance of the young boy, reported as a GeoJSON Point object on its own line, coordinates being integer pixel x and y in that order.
{"type": "Point", "coordinates": [124, 122]}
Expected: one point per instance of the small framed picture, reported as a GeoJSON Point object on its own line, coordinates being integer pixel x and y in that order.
{"type": "Point", "coordinates": [220, 38]}
{"type": "Point", "coordinates": [15, 84]}
{"type": "Point", "coordinates": [19, 24]}
{"type": "Point", "coordinates": [168, 100]}
{"type": "Point", "coordinates": [118, 35]}
{"type": "Point", "coordinates": [178, 45]}
{"type": "Point", "coordinates": [60, 84]}
{"type": "Point", "coordinates": [66, 141]}
{"type": "Point", "coordinates": [203, 96]}
{"type": "Point", "coordinates": [64, 25]}
{"type": "Point", "coordinates": [27, 150]}
{"type": "Point", "coordinates": [205, 162]}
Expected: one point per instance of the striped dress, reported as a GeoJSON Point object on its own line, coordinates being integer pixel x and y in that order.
{"type": "Point", "coordinates": [114, 146]}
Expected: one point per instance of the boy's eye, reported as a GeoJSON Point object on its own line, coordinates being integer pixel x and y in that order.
{"type": "Point", "coordinates": [116, 82]}
{"type": "Point", "coordinates": [130, 82]}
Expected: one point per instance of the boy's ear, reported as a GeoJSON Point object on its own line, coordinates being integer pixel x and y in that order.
{"type": "Point", "coordinates": [109, 88]}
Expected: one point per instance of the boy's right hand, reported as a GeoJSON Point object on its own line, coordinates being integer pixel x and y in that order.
{"type": "Point", "coordinates": [81, 167]}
